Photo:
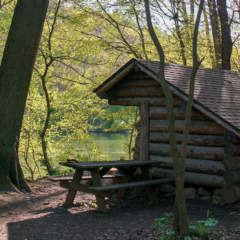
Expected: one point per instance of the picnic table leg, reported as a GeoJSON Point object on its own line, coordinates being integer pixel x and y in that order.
{"type": "Point", "coordinates": [96, 179]}
{"type": "Point", "coordinates": [151, 190]}
{"type": "Point", "coordinates": [72, 193]}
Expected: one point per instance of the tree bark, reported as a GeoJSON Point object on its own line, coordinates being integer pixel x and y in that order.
{"type": "Point", "coordinates": [15, 75]}
{"type": "Point", "coordinates": [215, 31]}
{"type": "Point", "coordinates": [179, 33]}
{"type": "Point", "coordinates": [226, 50]}
{"type": "Point", "coordinates": [180, 211]}
{"type": "Point", "coordinates": [209, 43]}
{"type": "Point", "coordinates": [180, 215]}
{"type": "Point", "coordinates": [45, 127]}
{"type": "Point", "coordinates": [48, 60]}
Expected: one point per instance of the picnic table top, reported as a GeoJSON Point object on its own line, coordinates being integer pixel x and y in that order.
{"type": "Point", "coordinates": [110, 164]}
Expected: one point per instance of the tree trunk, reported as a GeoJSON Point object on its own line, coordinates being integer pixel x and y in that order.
{"type": "Point", "coordinates": [215, 31]}
{"type": "Point", "coordinates": [209, 43]}
{"type": "Point", "coordinates": [15, 75]}
{"type": "Point", "coordinates": [46, 125]}
{"type": "Point", "coordinates": [226, 50]}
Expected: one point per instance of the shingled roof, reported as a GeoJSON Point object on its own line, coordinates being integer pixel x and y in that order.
{"type": "Point", "coordinates": [217, 92]}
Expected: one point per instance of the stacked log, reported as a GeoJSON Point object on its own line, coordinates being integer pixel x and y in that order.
{"type": "Point", "coordinates": [213, 156]}
{"type": "Point", "coordinates": [231, 191]}
{"type": "Point", "coordinates": [193, 139]}
{"type": "Point", "coordinates": [192, 178]}
{"type": "Point", "coordinates": [161, 113]}
{"type": "Point", "coordinates": [193, 165]}
{"type": "Point", "coordinates": [137, 101]}
{"type": "Point", "coordinates": [196, 127]}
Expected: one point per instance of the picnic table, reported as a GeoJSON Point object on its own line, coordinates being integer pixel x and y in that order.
{"type": "Point", "coordinates": [98, 171]}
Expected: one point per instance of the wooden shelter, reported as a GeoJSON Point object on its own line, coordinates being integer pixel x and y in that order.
{"type": "Point", "coordinates": [213, 153]}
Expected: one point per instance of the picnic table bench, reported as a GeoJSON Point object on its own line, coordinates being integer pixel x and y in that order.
{"type": "Point", "coordinates": [98, 171]}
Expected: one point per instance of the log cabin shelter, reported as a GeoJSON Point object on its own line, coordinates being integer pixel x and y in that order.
{"type": "Point", "coordinates": [213, 152]}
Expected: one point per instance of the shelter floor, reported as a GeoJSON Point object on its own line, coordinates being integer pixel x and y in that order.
{"type": "Point", "coordinates": [40, 216]}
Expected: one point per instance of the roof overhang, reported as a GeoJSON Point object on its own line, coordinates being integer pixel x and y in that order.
{"type": "Point", "coordinates": [115, 78]}
{"type": "Point", "coordinates": [125, 69]}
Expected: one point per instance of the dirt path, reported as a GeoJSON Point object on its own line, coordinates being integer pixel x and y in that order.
{"type": "Point", "coordinates": [40, 216]}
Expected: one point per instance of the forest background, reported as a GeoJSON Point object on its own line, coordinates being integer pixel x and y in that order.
{"type": "Point", "coordinates": [83, 43]}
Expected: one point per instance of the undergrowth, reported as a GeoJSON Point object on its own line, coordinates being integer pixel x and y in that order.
{"type": "Point", "coordinates": [199, 229]}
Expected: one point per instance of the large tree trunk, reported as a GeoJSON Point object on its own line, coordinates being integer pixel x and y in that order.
{"type": "Point", "coordinates": [215, 31]}
{"type": "Point", "coordinates": [226, 45]}
{"type": "Point", "coordinates": [15, 75]}
{"type": "Point", "coordinates": [209, 43]}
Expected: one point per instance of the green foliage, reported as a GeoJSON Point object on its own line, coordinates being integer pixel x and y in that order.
{"type": "Point", "coordinates": [163, 226]}
{"type": "Point", "coordinates": [87, 46]}
{"type": "Point", "coordinates": [200, 229]}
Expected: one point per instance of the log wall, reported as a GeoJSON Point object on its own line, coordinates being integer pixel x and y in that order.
{"type": "Point", "coordinates": [213, 154]}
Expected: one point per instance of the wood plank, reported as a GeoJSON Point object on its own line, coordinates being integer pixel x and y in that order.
{"type": "Point", "coordinates": [194, 165]}
{"type": "Point", "coordinates": [197, 127]}
{"type": "Point", "coordinates": [132, 184]}
{"type": "Point", "coordinates": [112, 164]}
{"type": "Point", "coordinates": [76, 186]}
{"type": "Point", "coordinates": [84, 178]}
{"type": "Point", "coordinates": [59, 178]}
{"type": "Point", "coordinates": [144, 138]}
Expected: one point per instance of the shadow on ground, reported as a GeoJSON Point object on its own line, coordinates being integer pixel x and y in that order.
{"type": "Point", "coordinates": [135, 222]}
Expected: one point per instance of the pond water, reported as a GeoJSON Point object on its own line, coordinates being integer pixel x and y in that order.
{"type": "Point", "coordinates": [113, 144]}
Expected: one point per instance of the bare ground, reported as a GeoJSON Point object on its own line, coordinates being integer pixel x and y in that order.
{"type": "Point", "coordinates": [40, 216]}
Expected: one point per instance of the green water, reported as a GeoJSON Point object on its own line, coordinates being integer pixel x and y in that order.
{"type": "Point", "coordinates": [113, 144]}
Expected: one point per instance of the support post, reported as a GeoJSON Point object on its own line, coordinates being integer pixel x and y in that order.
{"type": "Point", "coordinates": [96, 178]}
{"type": "Point", "coordinates": [72, 193]}
{"type": "Point", "coordinates": [144, 139]}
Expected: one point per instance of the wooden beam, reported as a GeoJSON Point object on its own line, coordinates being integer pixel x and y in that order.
{"type": "Point", "coordinates": [144, 138]}
{"type": "Point", "coordinates": [76, 186]}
